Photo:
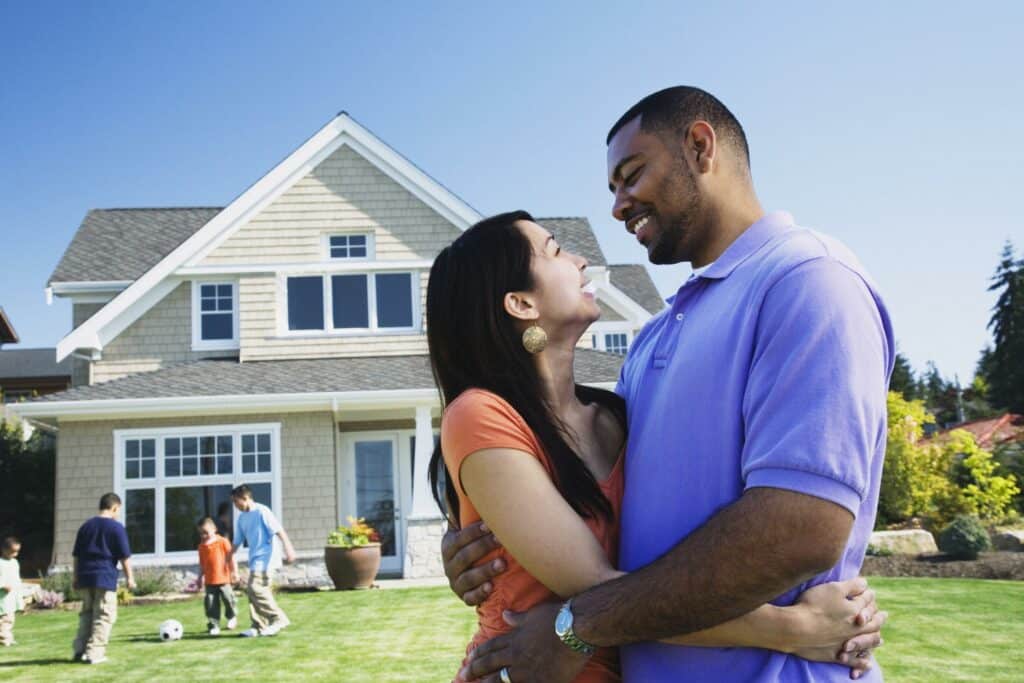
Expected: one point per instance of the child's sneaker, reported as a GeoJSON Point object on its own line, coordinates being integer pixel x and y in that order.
{"type": "Point", "coordinates": [213, 630]}
{"type": "Point", "coordinates": [250, 633]}
{"type": "Point", "coordinates": [232, 623]}
{"type": "Point", "coordinates": [94, 660]}
{"type": "Point", "coordinates": [271, 630]}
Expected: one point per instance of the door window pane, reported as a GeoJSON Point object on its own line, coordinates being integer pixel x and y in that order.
{"type": "Point", "coordinates": [394, 300]}
{"type": "Point", "coordinates": [305, 303]}
{"type": "Point", "coordinates": [140, 520]}
{"type": "Point", "coordinates": [184, 506]}
{"type": "Point", "coordinates": [349, 302]}
{"type": "Point", "coordinates": [375, 490]}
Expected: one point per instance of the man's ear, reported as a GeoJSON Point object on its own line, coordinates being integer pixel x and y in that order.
{"type": "Point", "coordinates": [521, 306]}
{"type": "Point", "coordinates": [700, 146]}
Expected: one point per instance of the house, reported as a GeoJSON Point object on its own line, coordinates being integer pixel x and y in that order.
{"type": "Point", "coordinates": [993, 432]}
{"type": "Point", "coordinates": [25, 373]}
{"type": "Point", "coordinates": [280, 342]}
{"type": "Point", "coordinates": [7, 333]}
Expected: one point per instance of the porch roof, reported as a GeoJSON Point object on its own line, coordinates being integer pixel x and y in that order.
{"type": "Point", "coordinates": [228, 378]}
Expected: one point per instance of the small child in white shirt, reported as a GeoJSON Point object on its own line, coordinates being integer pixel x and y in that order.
{"type": "Point", "coordinates": [10, 589]}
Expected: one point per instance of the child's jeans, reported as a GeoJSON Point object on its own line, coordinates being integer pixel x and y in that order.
{"type": "Point", "coordinates": [214, 596]}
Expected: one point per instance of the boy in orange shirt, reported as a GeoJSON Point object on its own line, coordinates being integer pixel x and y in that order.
{"type": "Point", "coordinates": [219, 570]}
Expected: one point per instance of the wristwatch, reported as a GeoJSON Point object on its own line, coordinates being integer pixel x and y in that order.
{"type": "Point", "coordinates": [563, 629]}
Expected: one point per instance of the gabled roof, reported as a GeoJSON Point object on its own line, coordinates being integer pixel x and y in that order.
{"type": "Point", "coordinates": [635, 281]}
{"type": "Point", "coordinates": [342, 130]}
{"type": "Point", "coordinates": [227, 381]}
{"type": "Point", "coordinates": [122, 244]}
{"type": "Point", "coordinates": [7, 333]}
{"type": "Point", "coordinates": [992, 431]}
{"type": "Point", "coordinates": [575, 234]}
{"type": "Point", "coordinates": [31, 363]}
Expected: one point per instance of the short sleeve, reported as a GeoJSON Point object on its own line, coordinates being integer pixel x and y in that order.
{"type": "Point", "coordinates": [225, 545]}
{"type": "Point", "coordinates": [270, 520]}
{"type": "Point", "coordinates": [477, 420]}
{"type": "Point", "coordinates": [124, 550]}
{"type": "Point", "coordinates": [815, 402]}
{"type": "Point", "coordinates": [77, 551]}
{"type": "Point", "coordinates": [238, 536]}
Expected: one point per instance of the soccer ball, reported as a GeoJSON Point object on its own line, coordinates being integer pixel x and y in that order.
{"type": "Point", "coordinates": [171, 630]}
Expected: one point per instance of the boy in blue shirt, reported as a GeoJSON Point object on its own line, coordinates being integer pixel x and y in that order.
{"type": "Point", "coordinates": [257, 527]}
{"type": "Point", "coordinates": [100, 544]}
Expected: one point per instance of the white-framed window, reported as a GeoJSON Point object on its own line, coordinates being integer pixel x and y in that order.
{"type": "Point", "coordinates": [349, 246]}
{"type": "Point", "coordinates": [346, 303]}
{"type": "Point", "coordinates": [169, 478]}
{"type": "Point", "coordinates": [214, 315]}
{"type": "Point", "coordinates": [612, 341]}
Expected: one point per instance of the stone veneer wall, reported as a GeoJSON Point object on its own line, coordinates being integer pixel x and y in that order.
{"type": "Point", "coordinates": [423, 548]}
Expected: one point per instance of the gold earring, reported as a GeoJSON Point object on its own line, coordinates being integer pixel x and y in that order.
{"type": "Point", "coordinates": [535, 338]}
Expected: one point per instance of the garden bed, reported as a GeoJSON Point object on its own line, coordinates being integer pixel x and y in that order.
{"type": "Point", "coordinates": [995, 565]}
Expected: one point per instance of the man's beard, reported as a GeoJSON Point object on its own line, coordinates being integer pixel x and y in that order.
{"type": "Point", "coordinates": [669, 246]}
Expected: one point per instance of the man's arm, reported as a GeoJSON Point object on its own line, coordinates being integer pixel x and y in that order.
{"type": "Point", "coordinates": [766, 543]}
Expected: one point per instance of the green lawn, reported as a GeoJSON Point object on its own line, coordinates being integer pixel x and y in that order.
{"type": "Point", "coordinates": [940, 630]}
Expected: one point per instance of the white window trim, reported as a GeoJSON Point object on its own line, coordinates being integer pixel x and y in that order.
{"type": "Point", "coordinates": [328, 299]}
{"type": "Point", "coordinates": [159, 483]}
{"type": "Point", "coordinates": [371, 245]}
{"type": "Point", "coordinates": [599, 331]}
{"type": "Point", "coordinates": [198, 343]}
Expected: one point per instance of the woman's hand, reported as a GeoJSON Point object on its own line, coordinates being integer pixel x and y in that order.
{"type": "Point", "coordinates": [837, 622]}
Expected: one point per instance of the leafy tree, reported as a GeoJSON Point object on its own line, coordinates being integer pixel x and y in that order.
{"type": "Point", "coordinates": [981, 490]}
{"type": "Point", "coordinates": [1002, 365]}
{"type": "Point", "coordinates": [26, 493]}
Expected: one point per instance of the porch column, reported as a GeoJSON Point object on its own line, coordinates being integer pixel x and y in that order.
{"type": "Point", "coordinates": [424, 524]}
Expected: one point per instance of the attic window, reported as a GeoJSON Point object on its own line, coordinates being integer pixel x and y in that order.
{"type": "Point", "coordinates": [349, 246]}
{"type": "Point", "coordinates": [214, 315]}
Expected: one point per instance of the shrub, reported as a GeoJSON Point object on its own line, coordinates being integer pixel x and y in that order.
{"type": "Point", "coordinates": [352, 535]}
{"type": "Point", "coordinates": [964, 538]}
{"type": "Point", "coordinates": [124, 596]}
{"type": "Point", "coordinates": [982, 491]}
{"type": "Point", "coordinates": [60, 582]}
{"type": "Point", "coordinates": [49, 599]}
{"type": "Point", "coordinates": [878, 551]}
{"type": "Point", "coordinates": [150, 580]}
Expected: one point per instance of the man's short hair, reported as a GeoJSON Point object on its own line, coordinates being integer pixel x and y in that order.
{"type": "Point", "coordinates": [109, 500]}
{"type": "Point", "coordinates": [203, 521]}
{"type": "Point", "coordinates": [672, 110]}
{"type": "Point", "coordinates": [10, 542]}
{"type": "Point", "coordinates": [241, 491]}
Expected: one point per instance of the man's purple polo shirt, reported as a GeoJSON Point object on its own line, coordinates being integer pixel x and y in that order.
{"type": "Point", "coordinates": [770, 369]}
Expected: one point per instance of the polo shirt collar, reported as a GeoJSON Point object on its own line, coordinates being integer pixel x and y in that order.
{"type": "Point", "coordinates": [748, 243]}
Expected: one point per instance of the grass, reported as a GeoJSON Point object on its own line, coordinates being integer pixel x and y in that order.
{"type": "Point", "coordinates": [940, 629]}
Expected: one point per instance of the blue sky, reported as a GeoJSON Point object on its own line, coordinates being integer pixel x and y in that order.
{"type": "Point", "coordinates": [895, 127]}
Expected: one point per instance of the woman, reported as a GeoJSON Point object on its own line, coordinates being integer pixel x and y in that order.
{"type": "Point", "coordinates": [539, 457]}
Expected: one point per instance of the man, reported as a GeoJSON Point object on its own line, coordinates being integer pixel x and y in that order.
{"type": "Point", "coordinates": [757, 420]}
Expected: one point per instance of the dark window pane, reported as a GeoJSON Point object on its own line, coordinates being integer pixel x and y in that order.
{"type": "Point", "coordinates": [148, 468]}
{"type": "Point", "coordinates": [172, 468]}
{"type": "Point", "coordinates": [189, 445]}
{"type": "Point", "coordinates": [148, 448]}
{"type": "Point", "coordinates": [208, 305]}
{"type": "Point", "coordinates": [224, 444]}
{"type": "Point", "coordinates": [207, 465]}
{"type": "Point", "coordinates": [248, 443]}
{"type": "Point", "coordinates": [248, 464]}
{"type": "Point", "coordinates": [357, 252]}
{"type": "Point", "coordinates": [261, 494]}
{"type": "Point", "coordinates": [218, 326]}
{"type": "Point", "coordinates": [206, 445]}
{"type": "Point", "coordinates": [264, 460]}
{"type": "Point", "coordinates": [224, 291]}
{"type": "Point", "coordinates": [224, 464]}
{"type": "Point", "coordinates": [339, 240]}
{"type": "Point", "coordinates": [132, 470]}
{"type": "Point", "coordinates": [339, 252]}
{"type": "Point", "coordinates": [172, 447]}
{"type": "Point", "coordinates": [208, 291]}
{"type": "Point", "coordinates": [183, 506]}
{"type": "Point", "coordinates": [305, 303]}
{"type": "Point", "coordinates": [224, 305]}
{"type": "Point", "coordinates": [264, 442]}
{"type": "Point", "coordinates": [140, 520]}
{"type": "Point", "coordinates": [349, 301]}
{"type": "Point", "coordinates": [357, 240]}
{"type": "Point", "coordinates": [131, 449]}
{"type": "Point", "coordinates": [394, 300]}
{"type": "Point", "coordinates": [189, 466]}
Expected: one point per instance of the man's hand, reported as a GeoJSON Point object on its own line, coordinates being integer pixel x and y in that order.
{"type": "Point", "coordinates": [460, 550]}
{"type": "Point", "coordinates": [531, 652]}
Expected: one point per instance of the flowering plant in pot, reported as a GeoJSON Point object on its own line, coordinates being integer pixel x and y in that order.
{"type": "Point", "coordinates": [352, 555]}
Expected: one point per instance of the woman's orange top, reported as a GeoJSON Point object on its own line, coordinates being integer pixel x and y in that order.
{"type": "Point", "coordinates": [480, 419]}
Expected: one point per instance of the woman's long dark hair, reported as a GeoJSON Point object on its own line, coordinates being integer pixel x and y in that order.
{"type": "Point", "coordinates": [474, 343]}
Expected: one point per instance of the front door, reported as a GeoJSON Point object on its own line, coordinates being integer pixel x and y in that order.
{"type": "Point", "coordinates": [374, 493]}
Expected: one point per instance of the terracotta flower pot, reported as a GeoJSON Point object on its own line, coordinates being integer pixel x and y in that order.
{"type": "Point", "coordinates": [352, 567]}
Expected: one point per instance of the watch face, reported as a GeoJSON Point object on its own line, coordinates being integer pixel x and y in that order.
{"type": "Point", "coordinates": [563, 622]}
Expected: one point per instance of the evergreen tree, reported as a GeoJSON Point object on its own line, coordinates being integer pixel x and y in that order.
{"type": "Point", "coordinates": [903, 380]}
{"type": "Point", "coordinates": [1002, 365]}
{"type": "Point", "coordinates": [941, 397]}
